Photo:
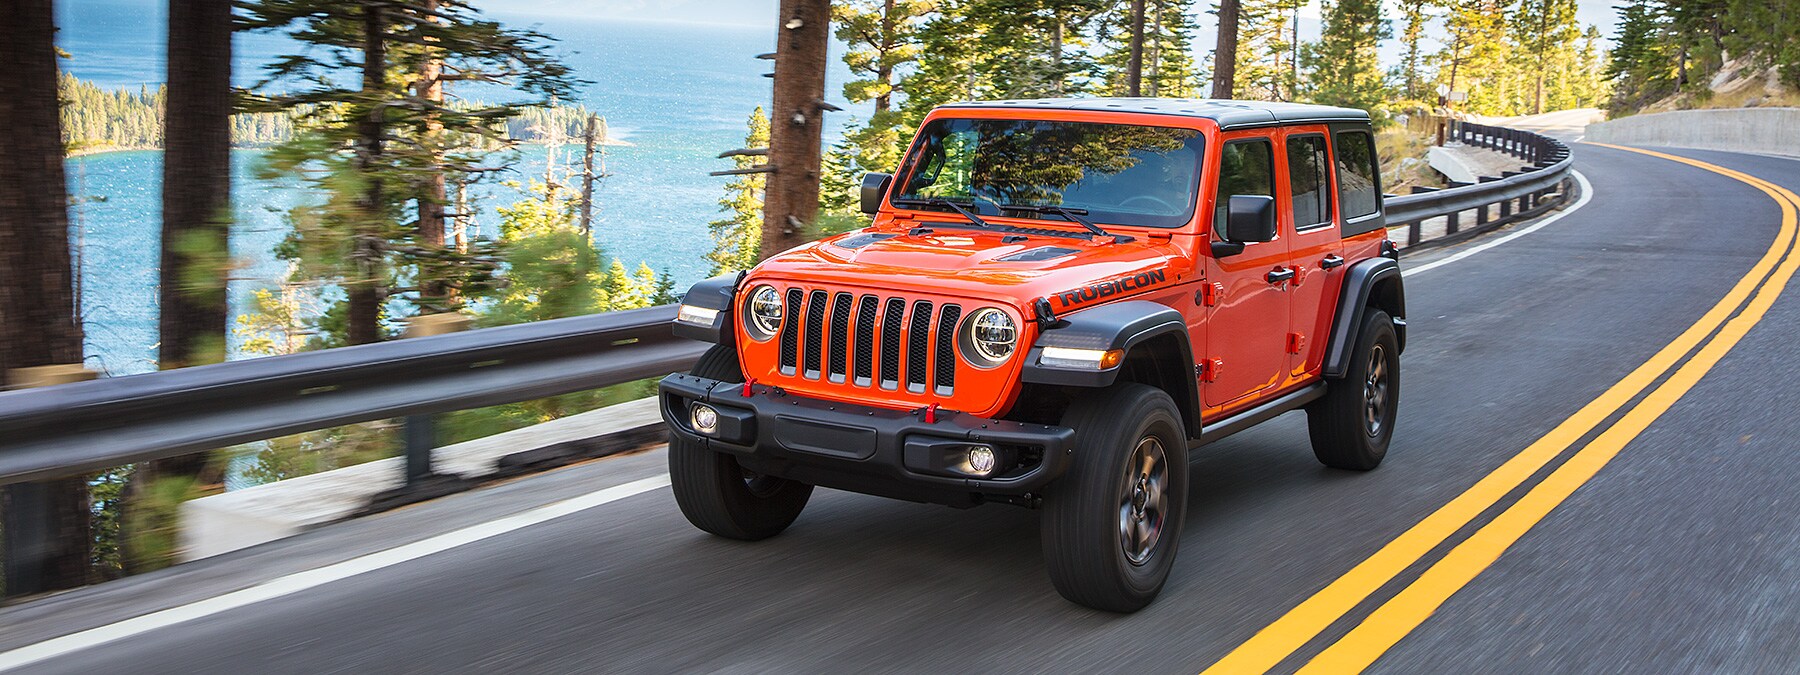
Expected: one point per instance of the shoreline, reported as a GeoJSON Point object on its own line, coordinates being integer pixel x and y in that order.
{"type": "Point", "coordinates": [106, 149]}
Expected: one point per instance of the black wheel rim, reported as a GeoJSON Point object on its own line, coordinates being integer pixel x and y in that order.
{"type": "Point", "coordinates": [1375, 392]}
{"type": "Point", "coordinates": [1143, 500]}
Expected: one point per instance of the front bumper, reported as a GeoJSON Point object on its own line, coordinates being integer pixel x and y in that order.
{"type": "Point", "coordinates": [864, 449]}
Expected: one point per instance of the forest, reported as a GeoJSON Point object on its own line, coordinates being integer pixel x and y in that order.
{"type": "Point", "coordinates": [1674, 48]}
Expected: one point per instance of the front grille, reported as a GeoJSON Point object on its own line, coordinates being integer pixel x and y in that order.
{"type": "Point", "coordinates": [865, 341]}
{"type": "Point", "coordinates": [946, 350]}
{"type": "Point", "coordinates": [840, 337]}
{"type": "Point", "coordinates": [870, 341]}
{"type": "Point", "coordinates": [918, 337]}
{"type": "Point", "coordinates": [815, 331]}
{"type": "Point", "coordinates": [790, 331]}
{"type": "Point", "coordinates": [890, 343]}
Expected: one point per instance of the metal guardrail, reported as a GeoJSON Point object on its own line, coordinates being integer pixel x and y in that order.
{"type": "Point", "coordinates": [88, 426]}
{"type": "Point", "coordinates": [1517, 194]}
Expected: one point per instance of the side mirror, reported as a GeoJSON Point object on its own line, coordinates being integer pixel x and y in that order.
{"type": "Point", "coordinates": [874, 187]}
{"type": "Point", "coordinates": [1250, 219]}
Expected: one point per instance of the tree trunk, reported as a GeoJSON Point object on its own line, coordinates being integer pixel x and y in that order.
{"type": "Point", "coordinates": [196, 228]}
{"type": "Point", "coordinates": [46, 523]}
{"type": "Point", "coordinates": [196, 187]}
{"type": "Point", "coordinates": [1134, 71]}
{"type": "Point", "coordinates": [587, 175]}
{"type": "Point", "coordinates": [1155, 68]}
{"type": "Point", "coordinates": [1056, 55]}
{"type": "Point", "coordinates": [363, 292]}
{"type": "Point", "coordinates": [797, 124]}
{"type": "Point", "coordinates": [884, 71]}
{"type": "Point", "coordinates": [431, 201]}
{"type": "Point", "coordinates": [1225, 51]}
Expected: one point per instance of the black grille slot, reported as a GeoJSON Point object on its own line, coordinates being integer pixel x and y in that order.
{"type": "Point", "coordinates": [864, 371]}
{"type": "Point", "coordinates": [790, 332]}
{"type": "Point", "coordinates": [840, 337]}
{"type": "Point", "coordinates": [945, 380]}
{"type": "Point", "coordinates": [890, 342]}
{"type": "Point", "coordinates": [815, 332]}
{"type": "Point", "coordinates": [918, 343]}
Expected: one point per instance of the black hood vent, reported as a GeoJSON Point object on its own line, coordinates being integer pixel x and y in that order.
{"type": "Point", "coordinates": [1037, 254]}
{"type": "Point", "coordinates": [861, 240]}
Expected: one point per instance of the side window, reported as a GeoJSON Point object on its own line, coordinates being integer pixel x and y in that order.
{"type": "Point", "coordinates": [1308, 181]}
{"type": "Point", "coordinates": [1358, 183]}
{"type": "Point", "coordinates": [1246, 167]}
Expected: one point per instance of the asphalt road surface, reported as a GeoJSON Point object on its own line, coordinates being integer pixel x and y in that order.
{"type": "Point", "coordinates": [1550, 504]}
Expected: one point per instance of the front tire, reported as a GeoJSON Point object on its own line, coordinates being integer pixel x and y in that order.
{"type": "Point", "coordinates": [1111, 525]}
{"type": "Point", "coordinates": [1351, 426]}
{"type": "Point", "coordinates": [716, 493]}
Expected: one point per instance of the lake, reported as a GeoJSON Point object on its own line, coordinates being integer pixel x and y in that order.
{"type": "Point", "coordinates": [679, 92]}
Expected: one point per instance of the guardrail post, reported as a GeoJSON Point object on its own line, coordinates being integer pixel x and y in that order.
{"type": "Point", "coordinates": [1450, 223]}
{"type": "Point", "coordinates": [46, 541]}
{"type": "Point", "coordinates": [420, 431]}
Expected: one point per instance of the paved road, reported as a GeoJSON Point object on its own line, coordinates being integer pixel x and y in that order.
{"type": "Point", "coordinates": [1680, 555]}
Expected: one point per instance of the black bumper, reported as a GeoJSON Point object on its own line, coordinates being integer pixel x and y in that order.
{"type": "Point", "coordinates": [877, 451]}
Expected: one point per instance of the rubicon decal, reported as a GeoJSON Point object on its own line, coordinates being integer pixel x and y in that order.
{"type": "Point", "coordinates": [1110, 287]}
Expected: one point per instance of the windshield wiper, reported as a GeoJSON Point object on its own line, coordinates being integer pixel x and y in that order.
{"type": "Point", "coordinates": [1068, 213]}
{"type": "Point", "coordinates": [940, 201]}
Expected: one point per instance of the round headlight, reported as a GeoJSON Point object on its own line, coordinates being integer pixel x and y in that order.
{"type": "Point", "coordinates": [764, 317]}
{"type": "Point", "coordinates": [990, 338]}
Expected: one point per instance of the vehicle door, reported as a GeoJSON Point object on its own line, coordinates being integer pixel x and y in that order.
{"type": "Point", "coordinates": [1248, 318]}
{"type": "Point", "coordinates": [1315, 249]}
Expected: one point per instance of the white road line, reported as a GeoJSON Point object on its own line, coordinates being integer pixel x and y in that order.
{"type": "Point", "coordinates": [1587, 193]}
{"type": "Point", "coordinates": [300, 581]}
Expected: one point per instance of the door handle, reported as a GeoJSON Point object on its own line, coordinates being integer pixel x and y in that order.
{"type": "Point", "coordinates": [1331, 261]}
{"type": "Point", "coordinates": [1279, 275]}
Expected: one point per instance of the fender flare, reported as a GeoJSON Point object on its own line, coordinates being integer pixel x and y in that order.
{"type": "Point", "coordinates": [716, 294]}
{"type": "Point", "coordinates": [1119, 325]}
{"type": "Point", "coordinates": [1360, 287]}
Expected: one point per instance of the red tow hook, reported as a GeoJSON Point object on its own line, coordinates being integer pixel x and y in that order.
{"type": "Point", "coordinates": [747, 382]}
{"type": "Point", "coordinates": [931, 414]}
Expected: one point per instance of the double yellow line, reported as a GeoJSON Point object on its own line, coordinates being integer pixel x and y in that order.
{"type": "Point", "coordinates": [1404, 612]}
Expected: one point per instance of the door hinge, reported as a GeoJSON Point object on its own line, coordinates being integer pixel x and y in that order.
{"type": "Point", "coordinates": [1209, 294]}
{"type": "Point", "coordinates": [1295, 343]}
{"type": "Point", "coordinates": [1208, 370]}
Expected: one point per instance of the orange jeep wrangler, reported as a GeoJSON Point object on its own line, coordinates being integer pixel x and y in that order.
{"type": "Point", "coordinates": [1056, 301]}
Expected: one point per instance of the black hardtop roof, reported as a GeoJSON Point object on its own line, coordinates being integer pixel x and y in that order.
{"type": "Point", "coordinates": [1228, 114]}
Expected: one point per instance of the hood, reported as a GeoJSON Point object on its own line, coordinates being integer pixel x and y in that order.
{"type": "Point", "coordinates": [996, 265]}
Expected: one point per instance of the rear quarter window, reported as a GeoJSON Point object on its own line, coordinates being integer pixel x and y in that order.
{"type": "Point", "coordinates": [1359, 187]}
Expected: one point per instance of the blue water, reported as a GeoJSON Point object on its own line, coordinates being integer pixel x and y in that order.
{"type": "Point", "coordinates": [679, 92]}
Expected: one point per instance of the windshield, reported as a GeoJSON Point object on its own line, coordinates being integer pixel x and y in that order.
{"type": "Point", "coordinates": [1118, 173]}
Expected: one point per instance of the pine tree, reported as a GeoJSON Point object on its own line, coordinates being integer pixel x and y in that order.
{"type": "Point", "coordinates": [1343, 67]}
{"type": "Point", "coordinates": [1474, 57]}
{"type": "Point", "coordinates": [359, 236]}
{"type": "Point", "coordinates": [737, 236]}
{"type": "Point", "coordinates": [1415, 14]}
{"type": "Point", "coordinates": [1545, 31]}
{"type": "Point", "coordinates": [1168, 64]}
{"type": "Point", "coordinates": [1265, 62]}
{"type": "Point", "coordinates": [883, 36]}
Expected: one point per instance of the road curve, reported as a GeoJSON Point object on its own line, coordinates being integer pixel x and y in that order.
{"type": "Point", "coordinates": [1679, 555]}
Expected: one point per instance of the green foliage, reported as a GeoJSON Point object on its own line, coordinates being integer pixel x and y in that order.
{"type": "Point", "coordinates": [737, 236]}
{"type": "Point", "coordinates": [1343, 67]}
{"type": "Point", "coordinates": [376, 150]}
{"type": "Point", "coordinates": [1266, 68]}
{"type": "Point", "coordinates": [1168, 64]}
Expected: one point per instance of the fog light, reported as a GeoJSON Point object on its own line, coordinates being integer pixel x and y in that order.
{"type": "Point", "coordinates": [705, 419]}
{"type": "Point", "coordinates": [981, 460]}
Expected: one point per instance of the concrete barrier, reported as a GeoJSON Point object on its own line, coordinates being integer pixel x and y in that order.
{"type": "Point", "coordinates": [1765, 130]}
